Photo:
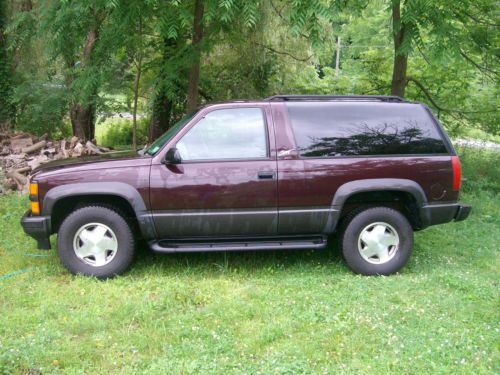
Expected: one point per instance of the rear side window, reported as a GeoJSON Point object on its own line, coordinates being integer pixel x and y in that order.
{"type": "Point", "coordinates": [346, 129]}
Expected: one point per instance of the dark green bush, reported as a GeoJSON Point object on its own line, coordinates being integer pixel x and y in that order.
{"type": "Point", "coordinates": [41, 108]}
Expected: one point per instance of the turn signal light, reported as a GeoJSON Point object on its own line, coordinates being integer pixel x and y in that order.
{"type": "Point", "coordinates": [35, 208]}
{"type": "Point", "coordinates": [35, 205]}
{"type": "Point", "coordinates": [33, 188]}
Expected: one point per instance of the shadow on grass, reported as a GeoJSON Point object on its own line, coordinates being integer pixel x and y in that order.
{"type": "Point", "coordinates": [225, 261]}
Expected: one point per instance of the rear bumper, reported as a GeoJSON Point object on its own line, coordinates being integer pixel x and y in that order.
{"type": "Point", "coordinates": [443, 213]}
{"type": "Point", "coordinates": [37, 227]}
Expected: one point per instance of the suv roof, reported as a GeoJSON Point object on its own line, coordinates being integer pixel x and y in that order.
{"type": "Point", "coordinates": [316, 98]}
{"type": "Point", "coordinates": [381, 98]}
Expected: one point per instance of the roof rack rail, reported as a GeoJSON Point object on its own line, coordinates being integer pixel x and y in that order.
{"type": "Point", "coordinates": [381, 98]}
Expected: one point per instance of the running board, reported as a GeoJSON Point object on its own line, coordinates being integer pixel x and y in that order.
{"type": "Point", "coordinates": [236, 244]}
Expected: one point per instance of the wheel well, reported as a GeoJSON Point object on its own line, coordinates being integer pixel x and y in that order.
{"type": "Point", "coordinates": [400, 200]}
{"type": "Point", "coordinates": [64, 206]}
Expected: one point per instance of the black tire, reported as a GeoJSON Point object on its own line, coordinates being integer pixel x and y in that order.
{"type": "Point", "coordinates": [352, 228]}
{"type": "Point", "coordinates": [111, 218]}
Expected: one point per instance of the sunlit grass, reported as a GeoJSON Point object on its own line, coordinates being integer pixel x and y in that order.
{"type": "Point", "coordinates": [260, 312]}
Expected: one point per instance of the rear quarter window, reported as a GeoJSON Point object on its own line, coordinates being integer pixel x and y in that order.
{"type": "Point", "coordinates": [326, 129]}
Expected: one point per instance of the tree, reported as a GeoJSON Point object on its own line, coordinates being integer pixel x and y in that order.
{"type": "Point", "coordinates": [188, 30]}
{"type": "Point", "coordinates": [464, 29]}
{"type": "Point", "coordinates": [82, 39]}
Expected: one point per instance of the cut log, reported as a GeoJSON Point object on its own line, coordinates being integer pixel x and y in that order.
{"type": "Point", "coordinates": [77, 150]}
{"type": "Point", "coordinates": [49, 151]}
{"type": "Point", "coordinates": [19, 143]}
{"type": "Point", "coordinates": [62, 148]}
{"type": "Point", "coordinates": [18, 178]}
{"type": "Point", "coordinates": [36, 161]}
{"type": "Point", "coordinates": [104, 149]}
{"type": "Point", "coordinates": [73, 141]}
{"type": "Point", "coordinates": [23, 169]}
{"type": "Point", "coordinates": [20, 135]}
{"type": "Point", "coordinates": [92, 148]}
{"type": "Point", "coordinates": [34, 148]}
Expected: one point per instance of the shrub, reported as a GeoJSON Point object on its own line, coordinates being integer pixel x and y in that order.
{"type": "Point", "coordinates": [117, 133]}
{"type": "Point", "coordinates": [41, 109]}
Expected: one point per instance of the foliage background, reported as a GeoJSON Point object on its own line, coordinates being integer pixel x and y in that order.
{"type": "Point", "coordinates": [99, 58]}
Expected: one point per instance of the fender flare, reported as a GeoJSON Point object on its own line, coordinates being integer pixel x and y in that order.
{"type": "Point", "coordinates": [372, 184]}
{"type": "Point", "coordinates": [119, 189]}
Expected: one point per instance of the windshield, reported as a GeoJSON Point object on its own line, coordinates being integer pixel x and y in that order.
{"type": "Point", "coordinates": [167, 136]}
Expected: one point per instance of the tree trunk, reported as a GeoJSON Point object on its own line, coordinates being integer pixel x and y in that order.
{"type": "Point", "coordinates": [194, 71]}
{"type": "Point", "coordinates": [160, 120]}
{"type": "Point", "coordinates": [399, 81]}
{"type": "Point", "coordinates": [7, 109]}
{"type": "Point", "coordinates": [162, 104]}
{"type": "Point", "coordinates": [24, 6]}
{"type": "Point", "coordinates": [83, 114]}
{"type": "Point", "coordinates": [136, 89]}
{"type": "Point", "coordinates": [83, 121]}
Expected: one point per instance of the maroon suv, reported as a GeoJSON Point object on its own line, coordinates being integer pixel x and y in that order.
{"type": "Point", "coordinates": [281, 173]}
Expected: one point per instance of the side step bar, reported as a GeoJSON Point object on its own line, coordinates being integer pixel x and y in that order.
{"type": "Point", "coordinates": [237, 244]}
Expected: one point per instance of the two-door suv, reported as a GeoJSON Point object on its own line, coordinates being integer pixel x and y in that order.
{"type": "Point", "coordinates": [285, 172]}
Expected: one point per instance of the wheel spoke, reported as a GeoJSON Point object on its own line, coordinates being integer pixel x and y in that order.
{"type": "Point", "coordinates": [98, 233]}
{"type": "Point", "coordinates": [389, 239]}
{"type": "Point", "coordinates": [100, 258]}
{"type": "Point", "coordinates": [383, 254]}
{"type": "Point", "coordinates": [369, 251]}
{"type": "Point", "coordinates": [86, 236]}
{"type": "Point", "coordinates": [107, 243]}
{"type": "Point", "coordinates": [379, 231]}
{"type": "Point", "coordinates": [85, 250]}
{"type": "Point", "coordinates": [367, 237]}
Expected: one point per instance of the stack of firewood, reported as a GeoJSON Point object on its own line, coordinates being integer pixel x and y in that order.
{"type": "Point", "coordinates": [21, 153]}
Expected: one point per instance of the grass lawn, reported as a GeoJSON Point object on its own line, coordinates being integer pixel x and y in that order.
{"type": "Point", "coordinates": [269, 312]}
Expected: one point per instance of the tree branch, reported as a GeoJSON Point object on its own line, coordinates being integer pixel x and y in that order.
{"type": "Point", "coordinates": [283, 52]}
{"type": "Point", "coordinates": [436, 105]}
{"type": "Point", "coordinates": [279, 12]}
{"type": "Point", "coordinates": [479, 67]}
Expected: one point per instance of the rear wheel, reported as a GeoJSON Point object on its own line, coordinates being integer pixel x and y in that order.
{"type": "Point", "coordinates": [96, 241]}
{"type": "Point", "coordinates": [376, 241]}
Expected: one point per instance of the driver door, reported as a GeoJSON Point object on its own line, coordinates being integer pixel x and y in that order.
{"type": "Point", "coordinates": [226, 183]}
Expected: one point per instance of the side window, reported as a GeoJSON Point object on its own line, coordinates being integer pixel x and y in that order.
{"type": "Point", "coordinates": [345, 129]}
{"type": "Point", "coordinates": [235, 133]}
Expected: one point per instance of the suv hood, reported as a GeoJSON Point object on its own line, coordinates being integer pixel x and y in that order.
{"type": "Point", "coordinates": [106, 160]}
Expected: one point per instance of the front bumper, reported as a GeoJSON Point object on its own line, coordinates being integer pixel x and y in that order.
{"type": "Point", "coordinates": [433, 214]}
{"type": "Point", "coordinates": [37, 227]}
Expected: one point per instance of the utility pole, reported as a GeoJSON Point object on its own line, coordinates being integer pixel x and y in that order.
{"type": "Point", "coordinates": [337, 58]}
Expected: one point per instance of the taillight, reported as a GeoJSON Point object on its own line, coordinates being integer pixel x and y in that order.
{"type": "Point", "coordinates": [457, 172]}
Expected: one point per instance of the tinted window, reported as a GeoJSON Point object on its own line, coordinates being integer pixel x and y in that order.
{"type": "Point", "coordinates": [338, 129]}
{"type": "Point", "coordinates": [236, 133]}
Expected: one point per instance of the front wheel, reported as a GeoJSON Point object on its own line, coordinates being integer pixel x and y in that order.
{"type": "Point", "coordinates": [376, 241]}
{"type": "Point", "coordinates": [96, 241]}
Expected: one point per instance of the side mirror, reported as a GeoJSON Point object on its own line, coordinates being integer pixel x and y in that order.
{"type": "Point", "coordinates": [173, 156]}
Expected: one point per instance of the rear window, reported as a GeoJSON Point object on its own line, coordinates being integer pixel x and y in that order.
{"type": "Point", "coordinates": [324, 129]}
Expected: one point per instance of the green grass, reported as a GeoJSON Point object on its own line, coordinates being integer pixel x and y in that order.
{"type": "Point", "coordinates": [268, 312]}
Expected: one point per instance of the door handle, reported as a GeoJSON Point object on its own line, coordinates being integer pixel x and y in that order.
{"type": "Point", "coordinates": [265, 175]}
